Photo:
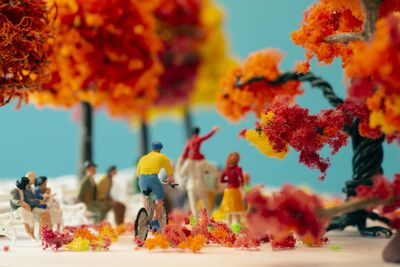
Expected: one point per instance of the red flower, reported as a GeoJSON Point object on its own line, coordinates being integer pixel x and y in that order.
{"type": "Point", "coordinates": [289, 210]}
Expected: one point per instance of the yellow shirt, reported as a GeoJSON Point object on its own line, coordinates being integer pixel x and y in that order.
{"type": "Point", "coordinates": [152, 163]}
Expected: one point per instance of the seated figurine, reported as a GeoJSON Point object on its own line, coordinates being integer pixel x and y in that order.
{"type": "Point", "coordinates": [88, 194]}
{"type": "Point", "coordinates": [20, 208]}
{"type": "Point", "coordinates": [104, 193]}
{"type": "Point", "coordinates": [40, 214]}
{"type": "Point", "coordinates": [43, 192]}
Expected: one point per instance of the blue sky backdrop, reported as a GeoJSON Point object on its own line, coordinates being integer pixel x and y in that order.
{"type": "Point", "coordinates": [45, 140]}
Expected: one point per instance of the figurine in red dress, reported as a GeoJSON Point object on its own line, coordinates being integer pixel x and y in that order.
{"type": "Point", "coordinates": [232, 175]}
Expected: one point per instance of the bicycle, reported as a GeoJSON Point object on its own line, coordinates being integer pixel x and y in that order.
{"type": "Point", "coordinates": [144, 218]}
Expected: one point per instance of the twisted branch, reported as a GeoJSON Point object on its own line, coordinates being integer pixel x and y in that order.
{"type": "Point", "coordinates": [314, 80]}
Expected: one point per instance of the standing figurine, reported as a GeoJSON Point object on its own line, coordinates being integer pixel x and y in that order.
{"type": "Point", "coordinates": [20, 208]}
{"type": "Point", "coordinates": [41, 214]}
{"type": "Point", "coordinates": [147, 170]}
{"type": "Point", "coordinates": [232, 202]}
{"type": "Point", "coordinates": [194, 167]}
{"type": "Point", "coordinates": [43, 192]}
{"type": "Point", "coordinates": [88, 193]}
{"type": "Point", "coordinates": [104, 193]}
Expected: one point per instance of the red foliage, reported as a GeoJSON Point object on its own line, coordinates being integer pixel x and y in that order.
{"type": "Point", "coordinates": [201, 227]}
{"type": "Point", "coordinates": [181, 32]}
{"type": "Point", "coordinates": [222, 234]}
{"type": "Point", "coordinates": [355, 107]}
{"type": "Point", "coordinates": [287, 242]}
{"type": "Point", "coordinates": [54, 239]}
{"type": "Point", "coordinates": [307, 134]}
{"type": "Point", "coordinates": [178, 216]}
{"type": "Point", "coordinates": [25, 30]}
{"type": "Point", "coordinates": [244, 239]}
{"type": "Point", "coordinates": [383, 189]}
{"type": "Point", "coordinates": [176, 234]}
{"type": "Point", "coordinates": [289, 210]}
{"type": "Point", "coordinates": [138, 242]}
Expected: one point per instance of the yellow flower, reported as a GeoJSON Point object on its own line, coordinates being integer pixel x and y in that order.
{"type": "Point", "coordinates": [261, 141]}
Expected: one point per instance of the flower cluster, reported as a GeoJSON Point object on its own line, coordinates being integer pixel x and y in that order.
{"type": "Point", "coordinates": [55, 240]}
{"type": "Point", "coordinates": [383, 189]}
{"type": "Point", "coordinates": [239, 98]}
{"type": "Point", "coordinates": [288, 211]}
{"type": "Point", "coordinates": [290, 125]}
{"type": "Point", "coordinates": [244, 239]}
{"type": "Point", "coordinates": [378, 64]}
{"type": "Point", "coordinates": [104, 53]}
{"type": "Point", "coordinates": [330, 17]}
{"type": "Point", "coordinates": [80, 238]}
{"type": "Point", "coordinates": [319, 21]}
{"type": "Point", "coordinates": [194, 234]}
{"type": "Point", "coordinates": [180, 29]}
{"type": "Point", "coordinates": [25, 30]}
{"type": "Point", "coordinates": [285, 242]}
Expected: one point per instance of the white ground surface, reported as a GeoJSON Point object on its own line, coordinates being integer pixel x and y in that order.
{"type": "Point", "coordinates": [356, 251]}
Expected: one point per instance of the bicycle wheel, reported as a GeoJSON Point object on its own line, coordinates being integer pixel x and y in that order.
{"type": "Point", "coordinates": [141, 224]}
{"type": "Point", "coordinates": [163, 220]}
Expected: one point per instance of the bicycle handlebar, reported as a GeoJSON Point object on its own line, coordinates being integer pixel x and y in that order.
{"type": "Point", "coordinates": [171, 185]}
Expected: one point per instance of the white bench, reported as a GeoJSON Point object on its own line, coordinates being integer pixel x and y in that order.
{"type": "Point", "coordinates": [8, 221]}
{"type": "Point", "coordinates": [73, 213]}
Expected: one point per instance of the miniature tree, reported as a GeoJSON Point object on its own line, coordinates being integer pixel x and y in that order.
{"type": "Point", "coordinates": [194, 59]}
{"type": "Point", "coordinates": [179, 28]}
{"type": "Point", "coordinates": [104, 56]}
{"type": "Point", "coordinates": [368, 115]}
{"type": "Point", "coordinates": [26, 27]}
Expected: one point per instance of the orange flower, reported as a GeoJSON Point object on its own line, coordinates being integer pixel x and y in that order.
{"type": "Point", "coordinates": [25, 30]}
{"type": "Point", "coordinates": [85, 233]}
{"type": "Point", "coordinates": [157, 241]}
{"type": "Point", "coordinates": [104, 53]}
{"type": "Point", "coordinates": [321, 20]}
{"type": "Point", "coordinates": [234, 102]}
{"type": "Point", "coordinates": [380, 60]}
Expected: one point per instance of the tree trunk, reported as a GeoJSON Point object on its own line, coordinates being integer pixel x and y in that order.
{"type": "Point", "coordinates": [187, 122]}
{"type": "Point", "coordinates": [85, 138]}
{"type": "Point", "coordinates": [144, 138]}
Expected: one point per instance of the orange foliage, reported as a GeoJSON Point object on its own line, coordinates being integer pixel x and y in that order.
{"type": "Point", "coordinates": [234, 102]}
{"type": "Point", "coordinates": [104, 54]}
{"type": "Point", "coordinates": [331, 17]}
{"type": "Point", "coordinates": [25, 29]}
{"type": "Point", "coordinates": [380, 60]}
{"type": "Point", "coordinates": [195, 244]}
{"type": "Point", "coordinates": [320, 21]}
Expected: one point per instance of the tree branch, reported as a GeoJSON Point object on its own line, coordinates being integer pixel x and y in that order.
{"type": "Point", "coordinates": [314, 80]}
{"type": "Point", "coordinates": [354, 205]}
{"type": "Point", "coordinates": [371, 14]}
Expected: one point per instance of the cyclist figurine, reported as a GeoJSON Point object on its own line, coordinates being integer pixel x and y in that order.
{"type": "Point", "coordinates": [147, 171]}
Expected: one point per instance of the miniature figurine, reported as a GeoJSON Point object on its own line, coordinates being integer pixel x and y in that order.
{"type": "Point", "coordinates": [104, 193]}
{"type": "Point", "coordinates": [212, 182]}
{"type": "Point", "coordinates": [43, 192]}
{"type": "Point", "coordinates": [232, 202]}
{"type": "Point", "coordinates": [147, 170]}
{"type": "Point", "coordinates": [193, 165]}
{"type": "Point", "coordinates": [88, 193]}
{"type": "Point", "coordinates": [20, 208]}
{"type": "Point", "coordinates": [41, 214]}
